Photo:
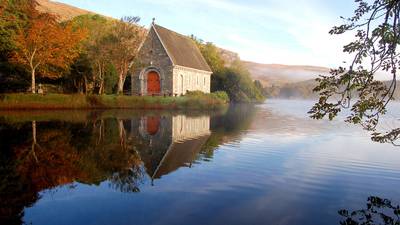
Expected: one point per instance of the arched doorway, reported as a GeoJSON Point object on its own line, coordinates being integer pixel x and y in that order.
{"type": "Point", "coordinates": [153, 124]}
{"type": "Point", "coordinates": [153, 83]}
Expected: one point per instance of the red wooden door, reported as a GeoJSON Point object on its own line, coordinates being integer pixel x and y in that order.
{"type": "Point", "coordinates": [153, 124]}
{"type": "Point", "coordinates": [153, 83]}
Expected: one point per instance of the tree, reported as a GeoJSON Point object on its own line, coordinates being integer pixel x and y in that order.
{"type": "Point", "coordinates": [211, 54]}
{"type": "Point", "coordinates": [44, 43]}
{"type": "Point", "coordinates": [13, 16]}
{"type": "Point", "coordinates": [237, 83]}
{"type": "Point", "coordinates": [259, 87]}
{"type": "Point", "coordinates": [3, 4]}
{"type": "Point", "coordinates": [110, 79]}
{"type": "Point", "coordinates": [125, 39]}
{"type": "Point", "coordinates": [96, 47]}
{"type": "Point", "coordinates": [80, 74]}
{"type": "Point", "coordinates": [377, 35]}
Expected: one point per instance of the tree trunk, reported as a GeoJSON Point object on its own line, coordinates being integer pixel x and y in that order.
{"type": "Point", "coordinates": [34, 141]}
{"type": "Point", "coordinates": [121, 82]}
{"type": "Point", "coordinates": [33, 85]}
{"type": "Point", "coordinates": [122, 133]}
{"type": "Point", "coordinates": [101, 89]}
{"type": "Point", "coordinates": [34, 132]}
{"type": "Point", "coordinates": [86, 85]}
{"type": "Point", "coordinates": [101, 132]}
{"type": "Point", "coordinates": [101, 76]}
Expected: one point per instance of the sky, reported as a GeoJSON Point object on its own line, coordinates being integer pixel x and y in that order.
{"type": "Point", "coordinates": [292, 32]}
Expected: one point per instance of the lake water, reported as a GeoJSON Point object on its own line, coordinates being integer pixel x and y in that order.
{"type": "Point", "coordinates": [267, 164]}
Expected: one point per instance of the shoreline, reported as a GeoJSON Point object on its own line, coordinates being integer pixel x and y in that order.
{"type": "Point", "coordinates": [24, 102]}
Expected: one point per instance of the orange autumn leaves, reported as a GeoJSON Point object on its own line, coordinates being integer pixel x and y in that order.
{"type": "Point", "coordinates": [45, 45]}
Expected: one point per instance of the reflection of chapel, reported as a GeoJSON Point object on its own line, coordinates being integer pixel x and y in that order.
{"type": "Point", "coordinates": [169, 142]}
{"type": "Point", "coordinates": [170, 63]}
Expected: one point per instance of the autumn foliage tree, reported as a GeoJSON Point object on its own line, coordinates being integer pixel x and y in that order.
{"type": "Point", "coordinates": [125, 39]}
{"type": "Point", "coordinates": [44, 43]}
{"type": "Point", "coordinates": [95, 55]}
{"type": "Point", "coordinates": [112, 48]}
{"type": "Point", "coordinates": [2, 7]}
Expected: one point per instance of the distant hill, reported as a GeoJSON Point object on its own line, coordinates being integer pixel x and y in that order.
{"type": "Point", "coordinates": [228, 56]}
{"type": "Point", "coordinates": [296, 90]}
{"type": "Point", "coordinates": [278, 75]}
{"type": "Point", "coordinates": [303, 90]}
{"type": "Point", "coordinates": [63, 11]}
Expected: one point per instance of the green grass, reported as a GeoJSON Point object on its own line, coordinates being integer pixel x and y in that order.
{"type": "Point", "coordinates": [61, 101]}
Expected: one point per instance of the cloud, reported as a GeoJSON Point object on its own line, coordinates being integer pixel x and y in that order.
{"type": "Point", "coordinates": [300, 31]}
{"type": "Point", "coordinates": [295, 35]}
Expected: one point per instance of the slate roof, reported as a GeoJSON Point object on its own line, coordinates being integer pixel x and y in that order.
{"type": "Point", "coordinates": [182, 50]}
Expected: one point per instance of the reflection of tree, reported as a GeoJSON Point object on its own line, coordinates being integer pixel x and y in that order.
{"type": "Point", "coordinates": [228, 127]}
{"type": "Point", "coordinates": [14, 194]}
{"type": "Point", "coordinates": [120, 160]}
{"type": "Point", "coordinates": [378, 211]}
{"type": "Point", "coordinates": [57, 153]}
{"type": "Point", "coordinates": [109, 153]}
{"type": "Point", "coordinates": [51, 161]}
{"type": "Point", "coordinates": [127, 181]}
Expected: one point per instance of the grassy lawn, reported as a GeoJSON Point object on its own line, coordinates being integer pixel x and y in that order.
{"type": "Point", "coordinates": [62, 101]}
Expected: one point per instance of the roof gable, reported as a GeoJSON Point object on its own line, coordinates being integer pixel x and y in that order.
{"type": "Point", "coordinates": [182, 50]}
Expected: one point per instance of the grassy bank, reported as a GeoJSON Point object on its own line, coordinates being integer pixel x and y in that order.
{"type": "Point", "coordinates": [60, 101]}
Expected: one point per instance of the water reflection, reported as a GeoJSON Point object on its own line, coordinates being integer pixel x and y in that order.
{"type": "Point", "coordinates": [262, 165]}
{"type": "Point", "coordinates": [377, 211]}
{"type": "Point", "coordinates": [122, 149]}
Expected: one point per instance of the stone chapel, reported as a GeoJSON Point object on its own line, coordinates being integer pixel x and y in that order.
{"type": "Point", "coordinates": [170, 64]}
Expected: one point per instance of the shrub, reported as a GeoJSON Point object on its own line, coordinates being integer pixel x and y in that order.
{"type": "Point", "coordinates": [195, 93]}
{"type": "Point", "coordinates": [221, 95]}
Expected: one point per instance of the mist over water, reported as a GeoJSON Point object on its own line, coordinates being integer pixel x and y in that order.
{"type": "Point", "coordinates": [265, 164]}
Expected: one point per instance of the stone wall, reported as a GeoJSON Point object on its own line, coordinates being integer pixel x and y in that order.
{"type": "Point", "coordinates": [187, 79]}
{"type": "Point", "coordinates": [152, 55]}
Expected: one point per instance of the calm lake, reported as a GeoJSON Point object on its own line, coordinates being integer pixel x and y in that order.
{"type": "Point", "coordinates": [267, 164]}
